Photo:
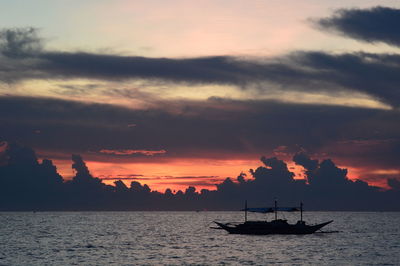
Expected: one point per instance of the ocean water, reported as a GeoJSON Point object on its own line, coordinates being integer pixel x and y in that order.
{"type": "Point", "coordinates": [154, 238]}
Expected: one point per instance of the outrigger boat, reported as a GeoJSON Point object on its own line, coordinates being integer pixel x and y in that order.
{"type": "Point", "coordinates": [276, 226]}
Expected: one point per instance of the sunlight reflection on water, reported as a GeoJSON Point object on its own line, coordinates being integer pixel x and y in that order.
{"type": "Point", "coordinates": [94, 238]}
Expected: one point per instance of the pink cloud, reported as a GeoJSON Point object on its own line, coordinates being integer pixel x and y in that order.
{"type": "Point", "coordinates": [130, 152]}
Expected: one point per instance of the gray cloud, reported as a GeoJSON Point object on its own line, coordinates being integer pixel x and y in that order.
{"type": "Point", "coordinates": [20, 42]}
{"type": "Point", "coordinates": [377, 24]}
{"type": "Point", "coordinates": [216, 128]}
{"type": "Point", "coordinates": [373, 74]}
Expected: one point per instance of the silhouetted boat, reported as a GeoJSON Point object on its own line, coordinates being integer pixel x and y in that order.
{"type": "Point", "coordinates": [276, 226]}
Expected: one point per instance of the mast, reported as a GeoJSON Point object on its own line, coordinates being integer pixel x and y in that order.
{"type": "Point", "coordinates": [301, 211]}
{"type": "Point", "coordinates": [276, 210]}
{"type": "Point", "coordinates": [245, 210]}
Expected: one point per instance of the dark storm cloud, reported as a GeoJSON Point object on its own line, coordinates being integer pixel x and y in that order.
{"type": "Point", "coordinates": [216, 128]}
{"type": "Point", "coordinates": [374, 74]}
{"type": "Point", "coordinates": [26, 184]}
{"type": "Point", "coordinates": [377, 24]}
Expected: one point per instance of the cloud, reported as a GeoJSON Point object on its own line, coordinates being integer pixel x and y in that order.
{"type": "Point", "coordinates": [122, 178]}
{"type": "Point", "coordinates": [377, 24]}
{"type": "Point", "coordinates": [20, 42]}
{"type": "Point", "coordinates": [303, 160]}
{"type": "Point", "coordinates": [376, 75]}
{"type": "Point", "coordinates": [240, 129]}
{"type": "Point", "coordinates": [26, 184]}
{"type": "Point", "coordinates": [130, 152]}
{"type": "Point", "coordinates": [80, 167]}
{"type": "Point", "coordinates": [328, 186]}
{"type": "Point", "coordinates": [204, 181]}
{"type": "Point", "coordinates": [394, 183]}
{"type": "Point", "coordinates": [215, 128]}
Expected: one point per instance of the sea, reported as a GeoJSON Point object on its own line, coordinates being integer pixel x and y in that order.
{"type": "Point", "coordinates": [186, 238]}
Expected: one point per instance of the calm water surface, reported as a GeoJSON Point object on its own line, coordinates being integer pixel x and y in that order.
{"type": "Point", "coordinates": [132, 238]}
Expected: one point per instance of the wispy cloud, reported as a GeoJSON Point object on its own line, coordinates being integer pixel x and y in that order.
{"type": "Point", "coordinates": [130, 152]}
{"type": "Point", "coordinates": [210, 178]}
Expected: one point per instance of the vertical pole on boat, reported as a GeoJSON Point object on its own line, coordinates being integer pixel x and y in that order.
{"type": "Point", "coordinates": [276, 210]}
{"type": "Point", "coordinates": [245, 210]}
{"type": "Point", "coordinates": [301, 211]}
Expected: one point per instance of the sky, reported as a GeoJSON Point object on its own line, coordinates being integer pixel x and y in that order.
{"type": "Point", "coordinates": [178, 93]}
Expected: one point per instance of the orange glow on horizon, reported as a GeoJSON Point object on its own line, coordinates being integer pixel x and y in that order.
{"type": "Point", "coordinates": [379, 180]}
{"type": "Point", "coordinates": [176, 175]}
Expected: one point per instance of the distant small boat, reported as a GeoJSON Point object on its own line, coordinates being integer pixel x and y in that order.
{"type": "Point", "coordinates": [276, 226]}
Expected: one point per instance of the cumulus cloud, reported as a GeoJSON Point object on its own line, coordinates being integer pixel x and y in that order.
{"type": "Point", "coordinates": [303, 160]}
{"type": "Point", "coordinates": [328, 186]}
{"type": "Point", "coordinates": [377, 24]}
{"type": "Point", "coordinates": [26, 184]}
{"type": "Point", "coordinates": [80, 167]}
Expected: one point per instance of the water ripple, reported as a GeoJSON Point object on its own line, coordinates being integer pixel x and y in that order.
{"type": "Point", "coordinates": [131, 238]}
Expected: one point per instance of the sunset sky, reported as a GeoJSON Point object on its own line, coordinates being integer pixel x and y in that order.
{"type": "Point", "coordinates": [178, 93]}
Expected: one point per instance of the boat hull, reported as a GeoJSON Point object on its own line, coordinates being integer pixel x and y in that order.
{"type": "Point", "coordinates": [273, 227]}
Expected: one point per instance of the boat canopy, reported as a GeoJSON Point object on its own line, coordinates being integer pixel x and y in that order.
{"type": "Point", "coordinates": [272, 209]}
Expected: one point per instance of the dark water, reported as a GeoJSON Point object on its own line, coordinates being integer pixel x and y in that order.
{"type": "Point", "coordinates": [103, 238]}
